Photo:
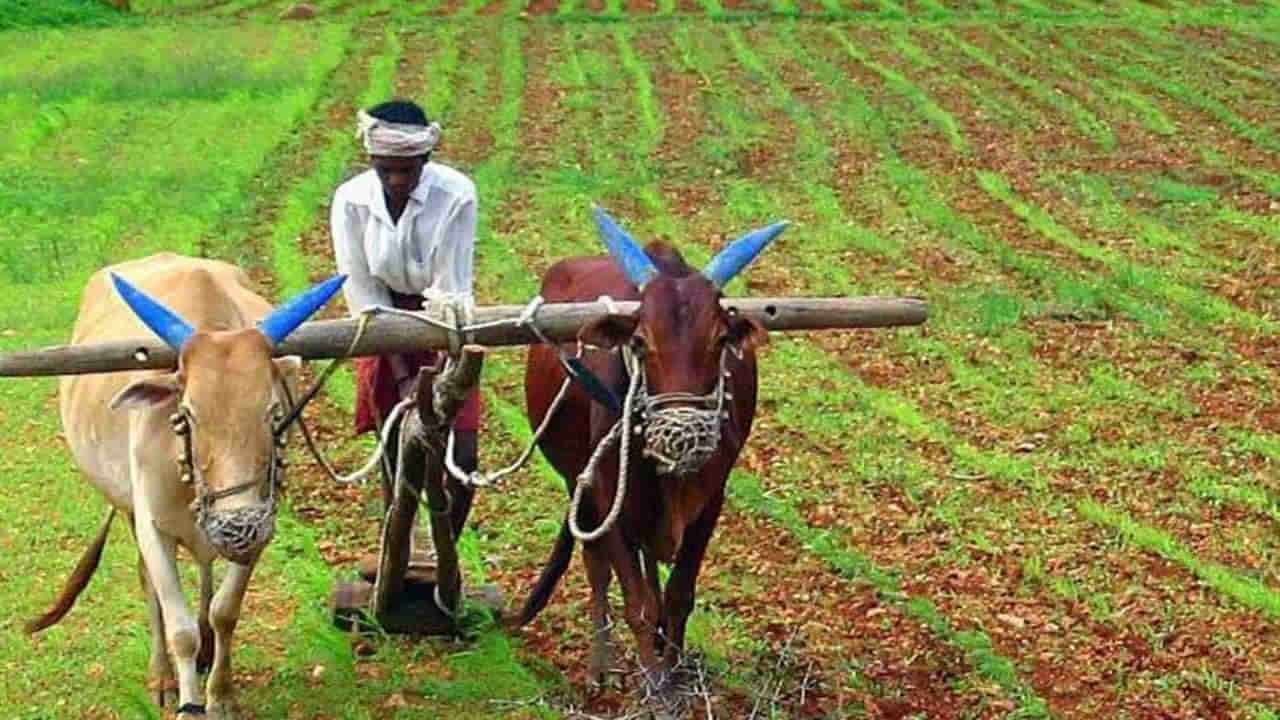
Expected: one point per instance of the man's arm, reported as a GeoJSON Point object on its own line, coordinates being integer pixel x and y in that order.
{"type": "Point", "coordinates": [361, 289]}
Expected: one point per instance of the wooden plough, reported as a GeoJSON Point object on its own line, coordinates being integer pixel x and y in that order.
{"type": "Point", "coordinates": [399, 594]}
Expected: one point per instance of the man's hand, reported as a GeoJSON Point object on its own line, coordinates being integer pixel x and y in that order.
{"type": "Point", "coordinates": [449, 308]}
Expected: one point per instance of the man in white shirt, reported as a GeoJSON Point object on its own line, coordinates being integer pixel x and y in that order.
{"type": "Point", "coordinates": [404, 232]}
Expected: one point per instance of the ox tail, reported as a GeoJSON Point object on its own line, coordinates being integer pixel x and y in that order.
{"type": "Point", "coordinates": [561, 554]}
{"type": "Point", "coordinates": [78, 580]}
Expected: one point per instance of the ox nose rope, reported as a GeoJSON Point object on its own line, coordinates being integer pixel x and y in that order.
{"type": "Point", "coordinates": [680, 439]}
{"type": "Point", "coordinates": [587, 478]}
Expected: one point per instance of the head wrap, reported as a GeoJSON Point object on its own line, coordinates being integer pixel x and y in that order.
{"type": "Point", "coordinates": [395, 139]}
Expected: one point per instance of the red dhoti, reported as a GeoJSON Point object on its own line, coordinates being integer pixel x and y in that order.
{"type": "Point", "coordinates": [376, 392]}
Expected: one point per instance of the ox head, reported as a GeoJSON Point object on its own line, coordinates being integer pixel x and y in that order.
{"type": "Point", "coordinates": [682, 335]}
{"type": "Point", "coordinates": [231, 396]}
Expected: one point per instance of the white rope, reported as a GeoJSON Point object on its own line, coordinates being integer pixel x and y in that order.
{"type": "Point", "coordinates": [587, 478]}
{"type": "Point", "coordinates": [608, 305]}
{"type": "Point", "coordinates": [435, 595]}
{"type": "Point", "coordinates": [357, 477]}
{"type": "Point", "coordinates": [528, 319]}
{"type": "Point", "coordinates": [493, 477]}
{"type": "Point", "coordinates": [360, 475]}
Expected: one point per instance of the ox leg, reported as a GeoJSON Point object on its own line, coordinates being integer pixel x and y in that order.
{"type": "Point", "coordinates": [641, 603]}
{"type": "Point", "coordinates": [205, 659]}
{"type": "Point", "coordinates": [160, 680]}
{"type": "Point", "coordinates": [599, 574]}
{"type": "Point", "coordinates": [651, 574]}
{"type": "Point", "coordinates": [182, 634]}
{"type": "Point", "coordinates": [678, 603]}
{"type": "Point", "coordinates": [224, 614]}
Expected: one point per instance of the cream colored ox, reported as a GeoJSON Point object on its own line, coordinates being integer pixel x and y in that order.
{"type": "Point", "coordinates": [192, 456]}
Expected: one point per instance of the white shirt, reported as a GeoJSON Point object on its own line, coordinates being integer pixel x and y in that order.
{"type": "Point", "coordinates": [430, 251]}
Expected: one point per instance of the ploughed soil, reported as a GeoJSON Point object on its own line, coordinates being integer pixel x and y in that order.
{"type": "Point", "coordinates": [1095, 627]}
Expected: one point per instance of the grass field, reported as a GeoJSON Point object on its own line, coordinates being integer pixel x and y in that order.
{"type": "Point", "coordinates": [1060, 498]}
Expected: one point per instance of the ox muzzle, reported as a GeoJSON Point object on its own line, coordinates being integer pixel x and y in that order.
{"type": "Point", "coordinates": [682, 431]}
{"type": "Point", "coordinates": [238, 534]}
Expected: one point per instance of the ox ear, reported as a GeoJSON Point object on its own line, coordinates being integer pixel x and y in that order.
{"type": "Point", "coordinates": [746, 332]}
{"type": "Point", "coordinates": [147, 393]}
{"type": "Point", "coordinates": [609, 331]}
{"type": "Point", "coordinates": [290, 368]}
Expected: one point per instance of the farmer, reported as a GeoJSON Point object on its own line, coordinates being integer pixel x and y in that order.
{"type": "Point", "coordinates": [404, 232]}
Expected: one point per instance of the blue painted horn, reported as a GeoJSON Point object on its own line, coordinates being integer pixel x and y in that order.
{"type": "Point", "coordinates": [175, 331]}
{"type": "Point", "coordinates": [163, 322]}
{"type": "Point", "coordinates": [630, 257]}
{"type": "Point", "coordinates": [286, 318]}
{"type": "Point", "coordinates": [739, 254]}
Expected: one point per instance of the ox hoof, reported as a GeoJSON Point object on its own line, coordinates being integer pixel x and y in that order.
{"type": "Point", "coordinates": [608, 680]}
{"type": "Point", "coordinates": [602, 666]}
{"type": "Point", "coordinates": [597, 675]}
{"type": "Point", "coordinates": [602, 674]}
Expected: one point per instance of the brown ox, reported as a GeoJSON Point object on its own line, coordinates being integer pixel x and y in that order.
{"type": "Point", "coordinates": [197, 463]}
{"type": "Point", "coordinates": [687, 345]}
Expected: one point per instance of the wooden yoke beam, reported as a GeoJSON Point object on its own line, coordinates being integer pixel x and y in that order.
{"type": "Point", "coordinates": [393, 334]}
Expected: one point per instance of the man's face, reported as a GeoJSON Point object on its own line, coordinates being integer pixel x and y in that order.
{"type": "Point", "coordinates": [399, 175]}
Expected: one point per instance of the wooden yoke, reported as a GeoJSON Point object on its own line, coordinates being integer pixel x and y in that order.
{"type": "Point", "coordinates": [441, 391]}
{"type": "Point", "coordinates": [497, 327]}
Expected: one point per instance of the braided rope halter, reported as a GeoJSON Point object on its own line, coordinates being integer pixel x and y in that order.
{"type": "Point", "coordinates": [241, 532]}
{"type": "Point", "coordinates": [680, 439]}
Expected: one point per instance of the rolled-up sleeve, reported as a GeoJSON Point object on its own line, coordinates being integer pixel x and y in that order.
{"type": "Point", "coordinates": [361, 289]}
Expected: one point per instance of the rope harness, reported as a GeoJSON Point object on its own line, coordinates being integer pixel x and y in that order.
{"type": "Point", "coordinates": [240, 532]}
{"type": "Point", "coordinates": [457, 332]}
{"type": "Point", "coordinates": [680, 439]}
{"type": "Point", "coordinates": [681, 431]}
